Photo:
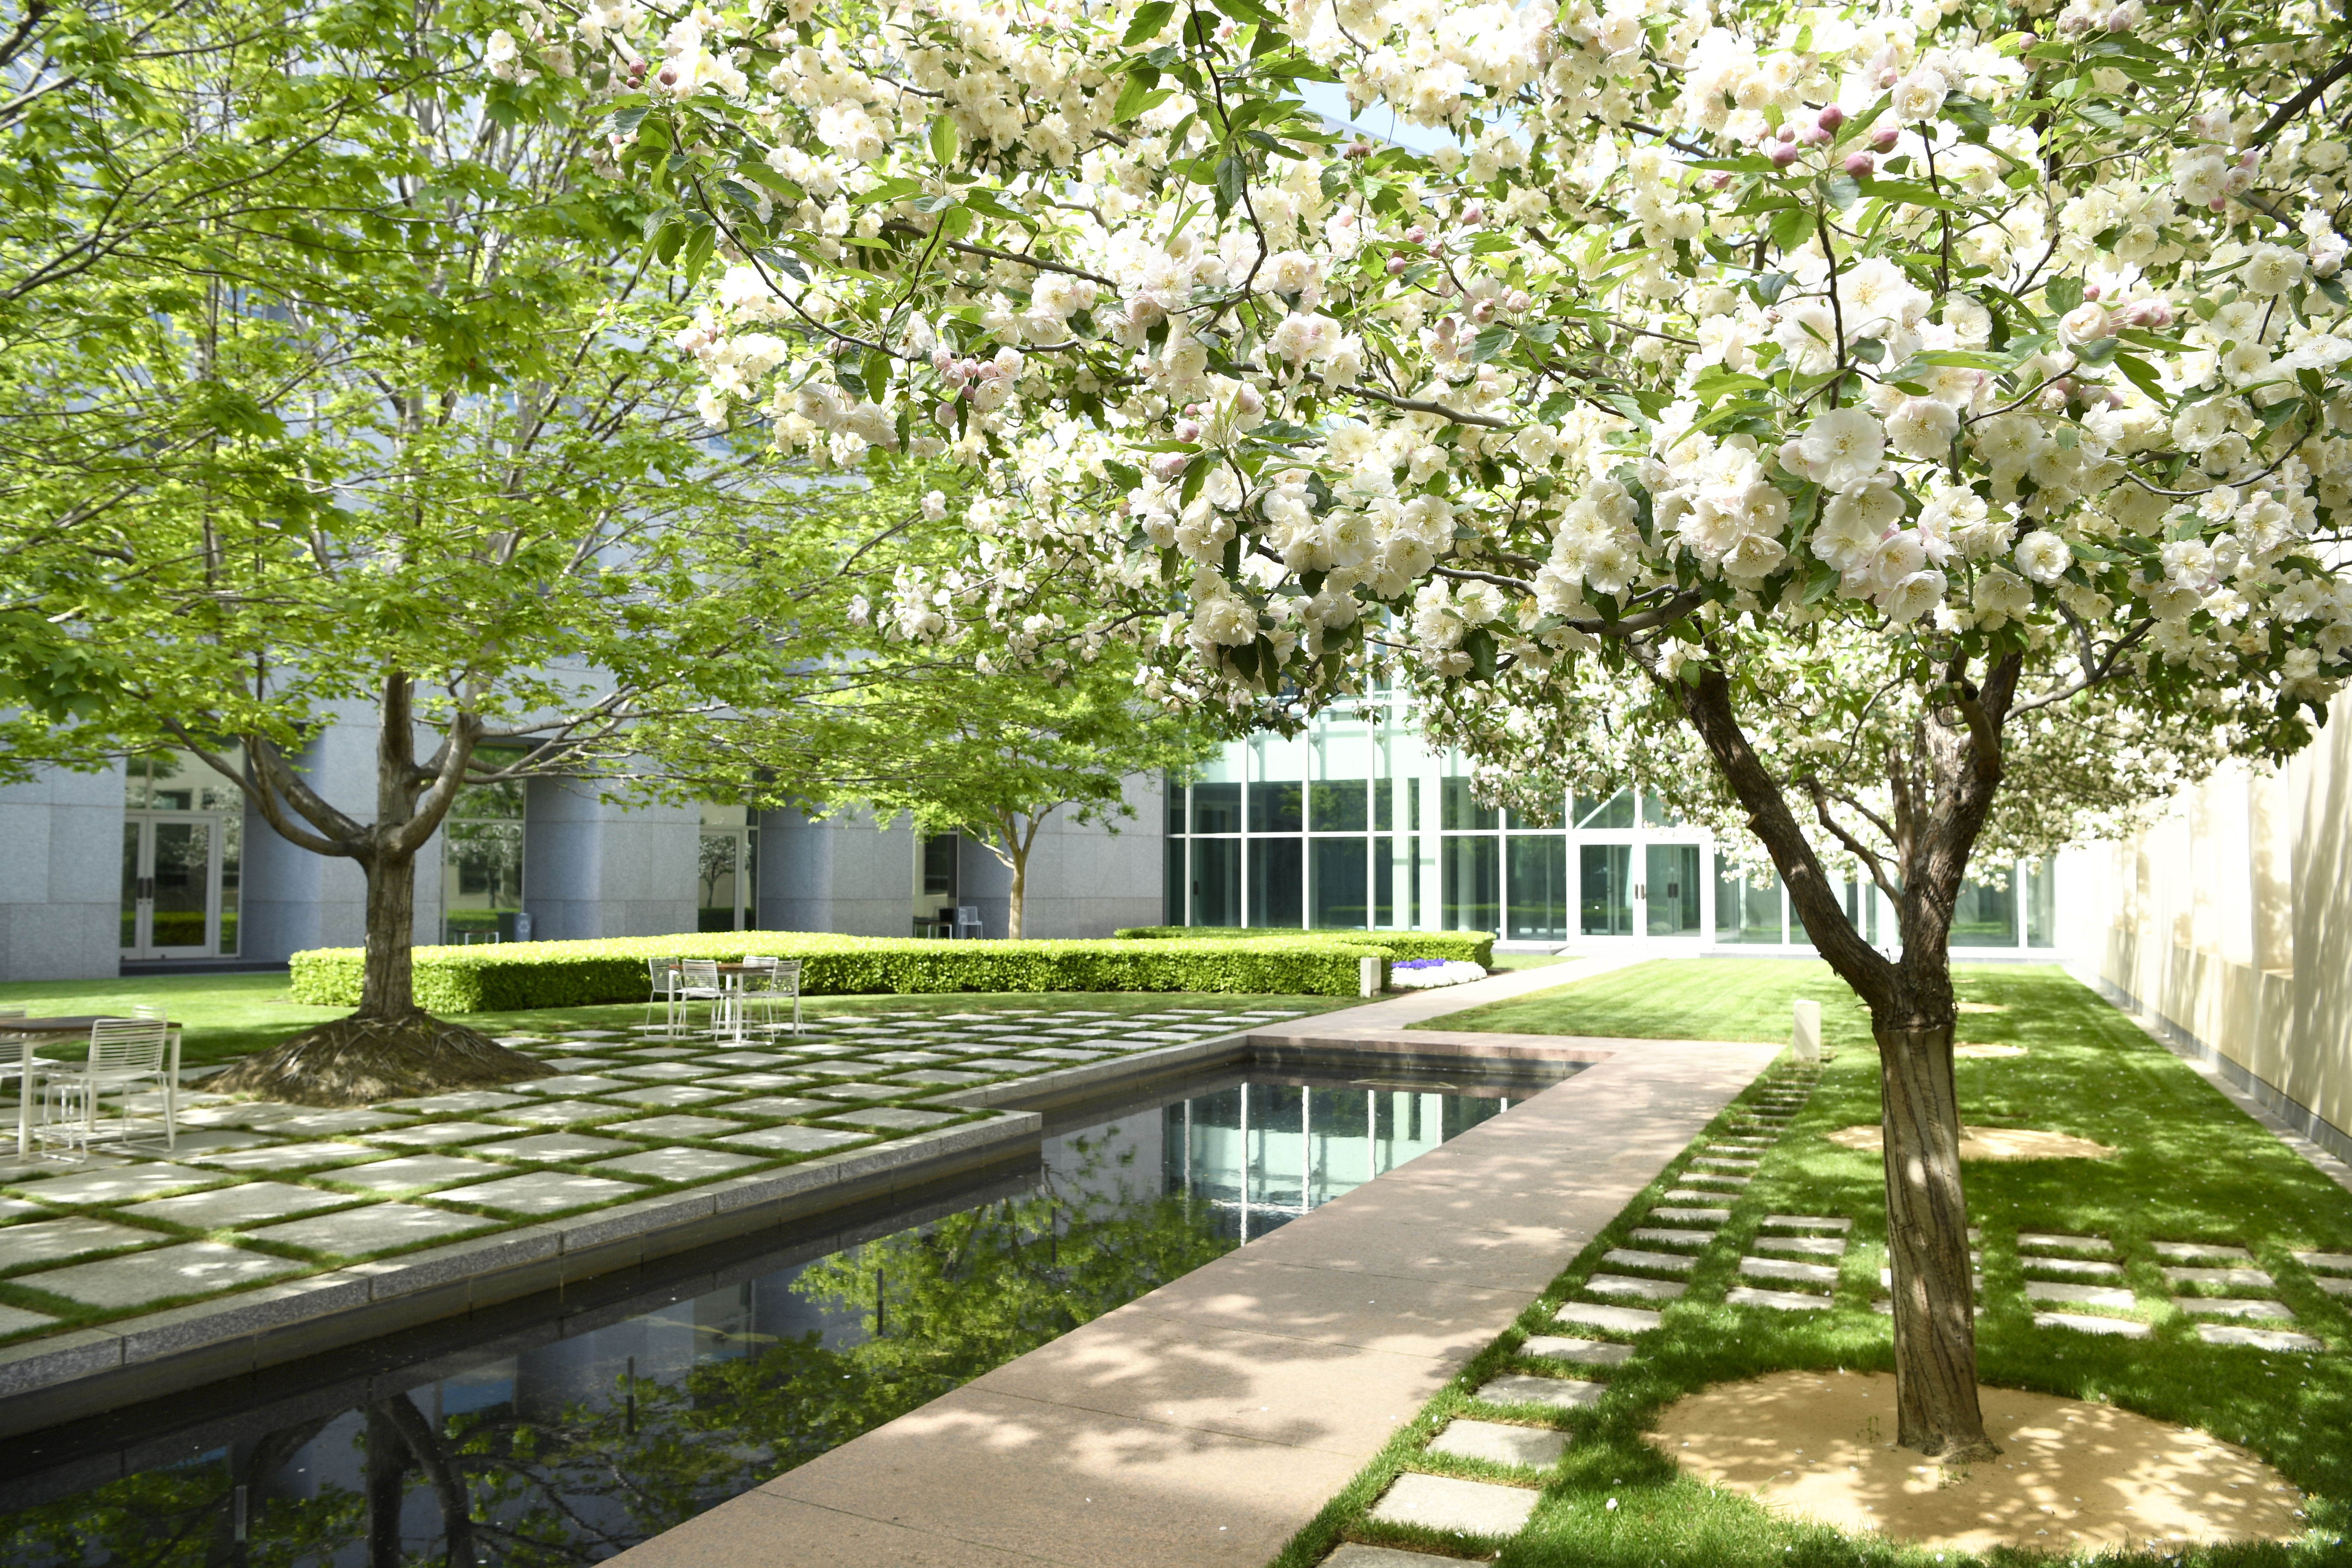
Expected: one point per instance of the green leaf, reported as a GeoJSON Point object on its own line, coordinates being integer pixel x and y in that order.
{"type": "Point", "coordinates": [1480, 645]}
{"type": "Point", "coordinates": [2098, 351]}
{"type": "Point", "coordinates": [1492, 341]}
{"type": "Point", "coordinates": [946, 141]}
{"type": "Point", "coordinates": [1232, 180]}
{"type": "Point", "coordinates": [1869, 350]}
{"type": "Point", "coordinates": [1149, 18]}
{"type": "Point", "coordinates": [1769, 287]}
{"type": "Point", "coordinates": [1789, 229]}
{"type": "Point", "coordinates": [2141, 374]}
{"type": "Point", "coordinates": [1843, 191]}
{"type": "Point", "coordinates": [1818, 585]}
{"type": "Point", "coordinates": [2063, 293]}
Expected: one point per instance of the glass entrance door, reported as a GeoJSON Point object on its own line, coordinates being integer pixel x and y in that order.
{"type": "Point", "coordinates": [171, 885]}
{"type": "Point", "coordinates": [1669, 891]}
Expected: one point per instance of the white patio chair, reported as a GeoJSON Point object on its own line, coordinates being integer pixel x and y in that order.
{"type": "Point", "coordinates": [698, 981]}
{"type": "Point", "coordinates": [779, 978]}
{"type": "Point", "coordinates": [967, 922]}
{"type": "Point", "coordinates": [122, 1052]}
{"type": "Point", "coordinates": [662, 980]}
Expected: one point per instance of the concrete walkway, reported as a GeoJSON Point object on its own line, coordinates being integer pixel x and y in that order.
{"type": "Point", "coordinates": [1205, 1423]}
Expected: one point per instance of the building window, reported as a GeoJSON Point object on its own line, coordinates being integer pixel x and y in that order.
{"type": "Point", "coordinates": [481, 857]}
{"type": "Point", "coordinates": [183, 854]}
{"type": "Point", "coordinates": [1538, 875]}
{"type": "Point", "coordinates": [1745, 912]}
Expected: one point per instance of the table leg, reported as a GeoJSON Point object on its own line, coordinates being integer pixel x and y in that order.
{"type": "Point", "coordinates": [25, 1102]}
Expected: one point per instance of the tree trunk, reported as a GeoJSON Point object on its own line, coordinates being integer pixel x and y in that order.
{"type": "Point", "coordinates": [1014, 918]}
{"type": "Point", "coordinates": [387, 1489]}
{"type": "Point", "coordinates": [1936, 1404]}
{"type": "Point", "coordinates": [387, 985]}
{"type": "Point", "coordinates": [449, 1488]}
{"type": "Point", "coordinates": [1945, 790]}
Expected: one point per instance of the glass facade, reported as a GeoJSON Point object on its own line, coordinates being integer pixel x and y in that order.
{"type": "Point", "coordinates": [1358, 825]}
{"type": "Point", "coordinates": [182, 856]}
{"type": "Point", "coordinates": [481, 860]}
{"type": "Point", "coordinates": [727, 870]}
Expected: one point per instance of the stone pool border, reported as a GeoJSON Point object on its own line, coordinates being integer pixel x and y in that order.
{"type": "Point", "coordinates": [56, 1378]}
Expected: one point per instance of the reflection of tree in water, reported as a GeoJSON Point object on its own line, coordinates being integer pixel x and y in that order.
{"type": "Point", "coordinates": [955, 1299]}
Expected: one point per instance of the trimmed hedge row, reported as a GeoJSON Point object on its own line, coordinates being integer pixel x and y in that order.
{"type": "Point", "coordinates": [509, 976]}
{"type": "Point", "coordinates": [1463, 946]}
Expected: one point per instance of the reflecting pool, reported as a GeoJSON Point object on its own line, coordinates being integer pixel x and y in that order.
{"type": "Point", "coordinates": [568, 1441]}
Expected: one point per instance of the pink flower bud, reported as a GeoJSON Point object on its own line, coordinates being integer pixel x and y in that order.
{"type": "Point", "coordinates": [1396, 264]}
{"type": "Point", "coordinates": [1816, 137]}
{"type": "Point", "coordinates": [1518, 300]}
{"type": "Point", "coordinates": [1416, 235]}
{"type": "Point", "coordinates": [1888, 77]}
{"type": "Point", "coordinates": [1883, 140]}
{"type": "Point", "coordinates": [1831, 117]}
{"type": "Point", "coordinates": [2090, 291]}
{"type": "Point", "coordinates": [2155, 314]}
{"type": "Point", "coordinates": [1187, 430]}
{"type": "Point", "coordinates": [1722, 182]}
{"type": "Point", "coordinates": [1861, 165]}
{"type": "Point", "coordinates": [1474, 214]}
{"type": "Point", "coordinates": [1166, 466]}
{"type": "Point", "coordinates": [1788, 131]}
{"type": "Point", "coordinates": [1784, 155]}
{"type": "Point", "coordinates": [2119, 20]}
{"type": "Point", "coordinates": [944, 417]}
{"type": "Point", "coordinates": [1483, 311]}
{"type": "Point", "coordinates": [668, 77]}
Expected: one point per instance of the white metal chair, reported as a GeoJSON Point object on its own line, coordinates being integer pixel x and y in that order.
{"type": "Point", "coordinates": [122, 1052]}
{"type": "Point", "coordinates": [662, 980]}
{"type": "Point", "coordinates": [779, 978]}
{"type": "Point", "coordinates": [698, 981]}
{"type": "Point", "coordinates": [967, 922]}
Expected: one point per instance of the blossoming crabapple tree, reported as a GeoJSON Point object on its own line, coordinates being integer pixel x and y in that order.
{"type": "Point", "coordinates": [1914, 378]}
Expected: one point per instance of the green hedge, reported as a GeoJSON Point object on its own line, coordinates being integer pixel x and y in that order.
{"type": "Point", "coordinates": [1467, 946]}
{"type": "Point", "coordinates": [507, 976]}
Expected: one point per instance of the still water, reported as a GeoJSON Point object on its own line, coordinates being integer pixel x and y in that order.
{"type": "Point", "coordinates": [578, 1442]}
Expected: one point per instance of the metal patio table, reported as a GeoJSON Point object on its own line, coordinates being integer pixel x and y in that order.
{"type": "Point", "coordinates": [32, 1032]}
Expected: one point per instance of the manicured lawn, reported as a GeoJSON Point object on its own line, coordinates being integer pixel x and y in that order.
{"type": "Point", "coordinates": [228, 1016]}
{"type": "Point", "coordinates": [2189, 1167]}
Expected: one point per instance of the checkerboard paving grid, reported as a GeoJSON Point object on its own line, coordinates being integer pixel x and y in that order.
{"type": "Point", "coordinates": [258, 1193]}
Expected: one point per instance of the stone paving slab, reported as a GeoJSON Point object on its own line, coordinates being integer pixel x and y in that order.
{"type": "Point", "coordinates": [1778, 1301]}
{"type": "Point", "coordinates": [853, 1091]}
{"type": "Point", "coordinates": [16, 1320]}
{"type": "Point", "coordinates": [2083, 1323]}
{"type": "Point", "coordinates": [238, 1207]}
{"type": "Point", "coordinates": [311, 1123]}
{"type": "Point", "coordinates": [55, 1240]}
{"type": "Point", "coordinates": [2081, 1294]}
{"type": "Point", "coordinates": [377, 1228]}
{"type": "Point", "coordinates": [1801, 1245]}
{"type": "Point", "coordinates": [416, 1170]}
{"type": "Point", "coordinates": [737, 1082]}
{"type": "Point", "coordinates": [1558, 1393]}
{"type": "Point", "coordinates": [678, 1164]}
{"type": "Point", "coordinates": [286, 1156]}
{"type": "Point", "coordinates": [1691, 1215]}
{"type": "Point", "coordinates": [1445, 1502]}
{"type": "Point", "coordinates": [552, 1146]}
{"type": "Point", "coordinates": [2332, 1286]}
{"type": "Point", "coordinates": [2045, 1241]}
{"type": "Point", "coordinates": [2193, 1251]}
{"type": "Point", "coordinates": [1614, 1320]}
{"type": "Point", "coordinates": [2259, 1338]}
{"type": "Point", "coordinates": [792, 1139]}
{"type": "Point", "coordinates": [2326, 1262]}
{"type": "Point", "coordinates": [2237, 1278]}
{"type": "Point", "coordinates": [1584, 1353]}
{"type": "Point", "coordinates": [1665, 1262]}
{"type": "Point", "coordinates": [2071, 1267]}
{"type": "Point", "coordinates": [569, 1083]}
{"type": "Point", "coordinates": [438, 1134]}
{"type": "Point", "coordinates": [541, 1192]}
{"type": "Point", "coordinates": [556, 1111]}
{"type": "Point", "coordinates": [2233, 1307]}
{"type": "Point", "coordinates": [463, 1103]}
{"type": "Point", "coordinates": [778, 1105]}
{"type": "Point", "coordinates": [677, 1127]}
{"type": "Point", "coordinates": [669, 1095]}
{"type": "Point", "coordinates": [1635, 1289]}
{"type": "Point", "coordinates": [895, 1119]}
{"type": "Point", "coordinates": [122, 1184]}
{"type": "Point", "coordinates": [1536, 1447]}
{"type": "Point", "coordinates": [1788, 1270]}
{"type": "Point", "coordinates": [1649, 1236]}
{"type": "Point", "coordinates": [1805, 1222]}
{"type": "Point", "coordinates": [190, 1269]}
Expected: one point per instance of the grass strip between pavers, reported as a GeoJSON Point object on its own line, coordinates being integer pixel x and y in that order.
{"type": "Point", "coordinates": [2190, 1167]}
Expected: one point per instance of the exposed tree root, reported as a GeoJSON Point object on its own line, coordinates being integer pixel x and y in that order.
{"type": "Point", "coordinates": [358, 1062]}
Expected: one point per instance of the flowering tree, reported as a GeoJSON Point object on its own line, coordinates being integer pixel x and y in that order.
{"type": "Point", "coordinates": [1869, 390]}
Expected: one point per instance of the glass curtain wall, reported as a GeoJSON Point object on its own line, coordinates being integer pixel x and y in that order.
{"type": "Point", "coordinates": [727, 870]}
{"type": "Point", "coordinates": [481, 859]}
{"type": "Point", "coordinates": [183, 856]}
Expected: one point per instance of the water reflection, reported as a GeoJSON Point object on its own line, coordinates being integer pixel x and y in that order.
{"type": "Point", "coordinates": [576, 1449]}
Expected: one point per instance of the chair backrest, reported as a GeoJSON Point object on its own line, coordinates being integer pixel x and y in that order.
{"type": "Point", "coordinates": [700, 972]}
{"type": "Point", "coordinates": [126, 1045]}
{"type": "Point", "coordinates": [662, 973]}
{"type": "Point", "coordinates": [786, 976]}
{"type": "Point", "coordinates": [967, 914]}
{"type": "Point", "coordinates": [759, 973]}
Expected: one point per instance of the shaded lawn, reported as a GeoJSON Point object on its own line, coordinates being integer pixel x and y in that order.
{"type": "Point", "coordinates": [2190, 1167]}
{"type": "Point", "coordinates": [229, 1015]}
